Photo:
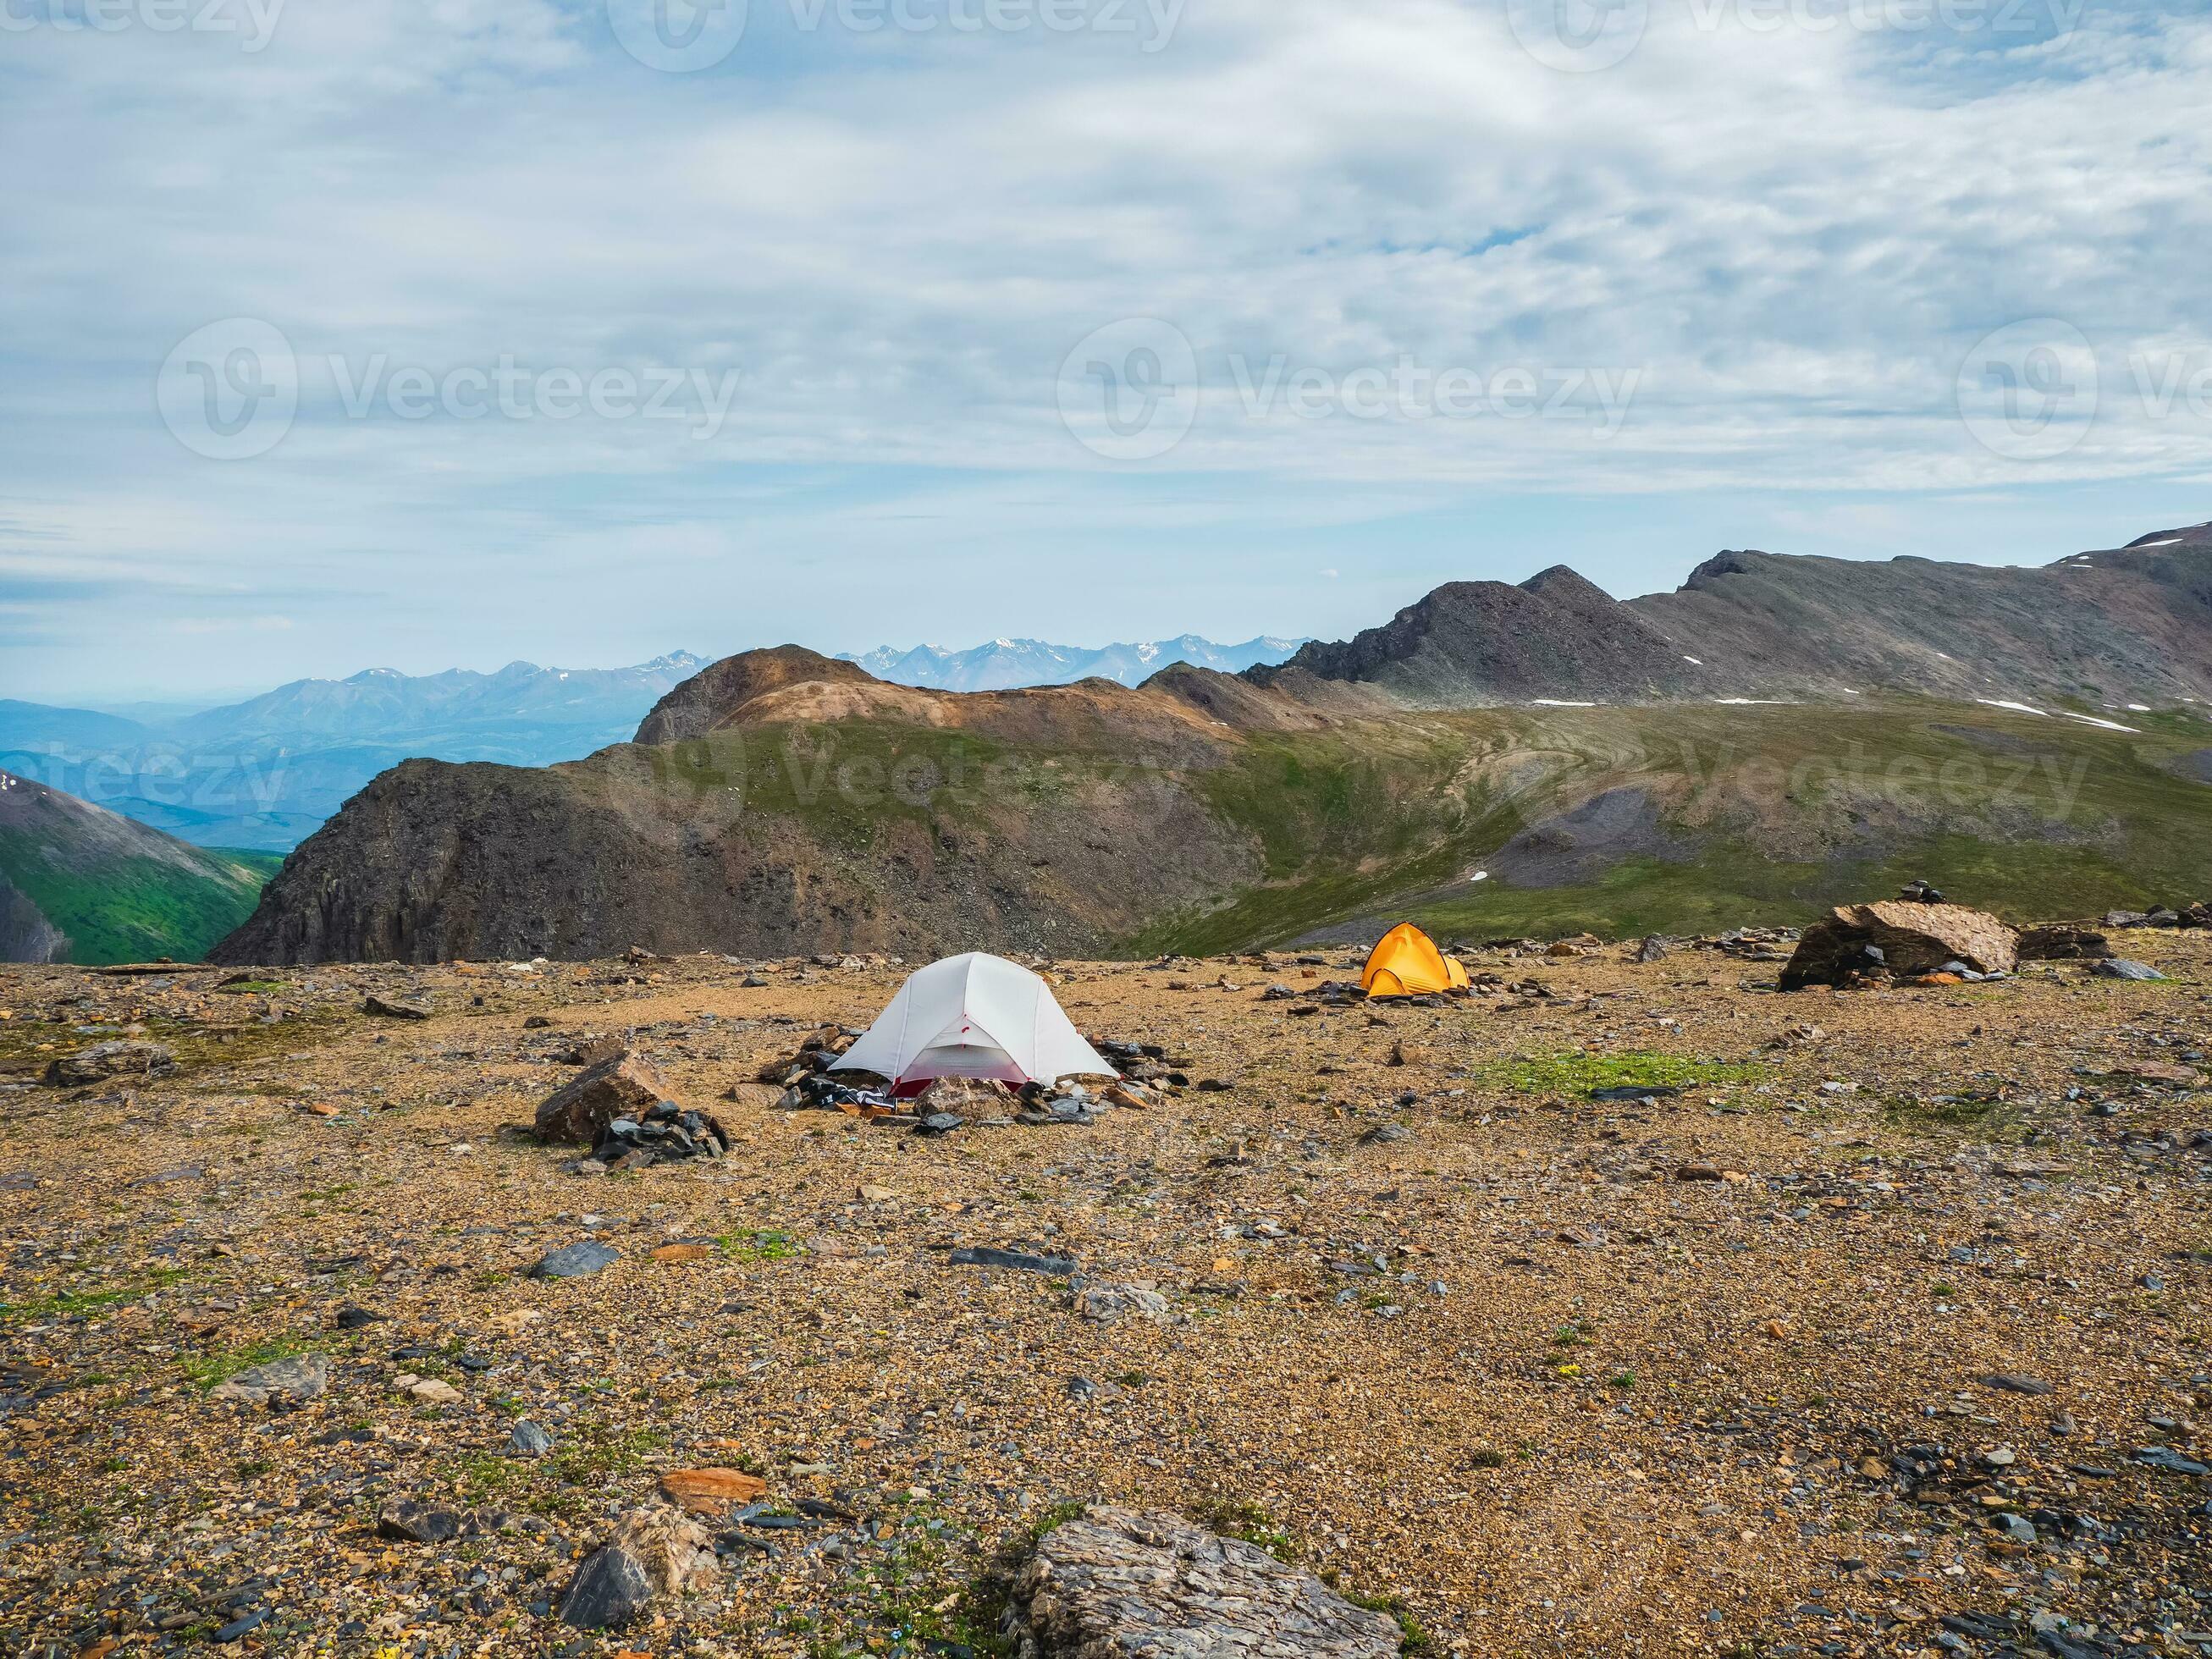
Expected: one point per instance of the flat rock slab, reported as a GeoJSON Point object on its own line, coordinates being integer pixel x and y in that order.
{"type": "Point", "coordinates": [1116, 1584]}
{"type": "Point", "coordinates": [579, 1261]}
{"type": "Point", "coordinates": [280, 1382]}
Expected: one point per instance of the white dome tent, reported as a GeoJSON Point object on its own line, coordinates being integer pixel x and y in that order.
{"type": "Point", "coordinates": [973, 1016]}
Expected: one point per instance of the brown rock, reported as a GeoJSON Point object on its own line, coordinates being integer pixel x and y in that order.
{"type": "Point", "coordinates": [623, 1084]}
{"type": "Point", "coordinates": [2064, 944]}
{"type": "Point", "coordinates": [711, 1492]}
{"type": "Point", "coordinates": [1911, 939]}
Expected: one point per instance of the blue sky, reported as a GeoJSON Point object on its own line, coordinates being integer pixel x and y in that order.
{"type": "Point", "coordinates": [437, 332]}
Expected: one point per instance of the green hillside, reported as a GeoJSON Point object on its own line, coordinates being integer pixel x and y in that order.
{"type": "Point", "coordinates": [1686, 818]}
{"type": "Point", "coordinates": [115, 891]}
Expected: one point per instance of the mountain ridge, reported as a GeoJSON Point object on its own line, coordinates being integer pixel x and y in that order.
{"type": "Point", "coordinates": [781, 801]}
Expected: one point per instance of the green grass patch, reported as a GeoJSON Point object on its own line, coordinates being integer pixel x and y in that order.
{"type": "Point", "coordinates": [1582, 1075]}
{"type": "Point", "coordinates": [759, 1244]}
{"type": "Point", "coordinates": [1237, 1518]}
{"type": "Point", "coordinates": [206, 1370]}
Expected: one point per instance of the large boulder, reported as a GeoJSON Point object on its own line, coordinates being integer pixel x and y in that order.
{"type": "Point", "coordinates": [1115, 1584]}
{"type": "Point", "coordinates": [1868, 941]}
{"type": "Point", "coordinates": [621, 1085]}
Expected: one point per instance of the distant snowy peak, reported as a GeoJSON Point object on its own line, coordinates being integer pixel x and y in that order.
{"type": "Point", "coordinates": [1005, 664]}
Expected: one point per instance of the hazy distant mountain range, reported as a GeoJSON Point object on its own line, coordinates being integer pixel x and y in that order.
{"type": "Point", "coordinates": [265, 773]}
{"type": "Point", "coordinates": [1007, 664]}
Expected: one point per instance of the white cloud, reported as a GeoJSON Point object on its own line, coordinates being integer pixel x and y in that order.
{"type": "Point", "coordinates": [1792, 237]}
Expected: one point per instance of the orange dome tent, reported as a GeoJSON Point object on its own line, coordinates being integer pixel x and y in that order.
{"type": "Point", "coordinates": [1407, 963]}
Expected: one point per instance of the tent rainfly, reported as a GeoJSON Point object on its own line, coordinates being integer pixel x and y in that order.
{"type": "Point", "coordinates": [974, 1016]}
{"type": "Point", "coordinates": [1407, 963]}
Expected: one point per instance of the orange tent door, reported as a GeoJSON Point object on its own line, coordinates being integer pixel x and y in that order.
{"type": "Point", "coordinates": [1406, 963]}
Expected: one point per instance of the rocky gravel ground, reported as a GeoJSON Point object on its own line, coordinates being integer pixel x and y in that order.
{"type": "Point", "coordinates": [1852, 1323]}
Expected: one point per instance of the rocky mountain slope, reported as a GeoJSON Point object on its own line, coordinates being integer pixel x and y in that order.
{"type": "Point", "coordinates": [2129, 626]}
{"type": "Point", "coordinates": [780, 801]}
{"type": "Point", "coordinates": [80, 884]}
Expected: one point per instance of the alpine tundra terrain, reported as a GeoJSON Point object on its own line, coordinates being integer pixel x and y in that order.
{"type": "Point", "coordinates": [1625, 1305]}
{"type": "Point", "coordinates": [1780, 733]}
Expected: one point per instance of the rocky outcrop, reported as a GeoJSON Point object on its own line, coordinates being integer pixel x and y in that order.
{"type": "Point", "coordinates": [26, 935]}
{"type": "Point", "coordinates": [1468, 644]}
{"type": "Point", "coordinates": [1116, 1584]}
{"type": "Point", "coordinates": [1749, 623]}
{"type": "Point", "coordinates": [713, 696]}
{"type": "Point", "coordinates": [1059, 829]}
{"type": "Point", "coordinates": [1899, 940]}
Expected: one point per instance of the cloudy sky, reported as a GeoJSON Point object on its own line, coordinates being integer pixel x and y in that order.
{"type": "Point", "coordinates": [437, 332]}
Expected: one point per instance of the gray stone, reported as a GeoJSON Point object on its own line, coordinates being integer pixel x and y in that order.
{"type": "Point", "coordinates": [2121, 967]}
{"type": "Point", "coordinates": [280, 1382]}
{"type": "Point", "coordinates": [609, 1590]}
{"type": "Point", "coordinates": [1107, 1302]}
{"type": "Point", "coordinates": [526, 1439]}
{"type": "Point", "coordinates": [417, 1524]}
{"type": "Point", "coordinates": [1114, 1585]}
{"type": "Point", "coordinates": [578, 1260]}
{"type": "Point", "coordinates": [2165, 1457]}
